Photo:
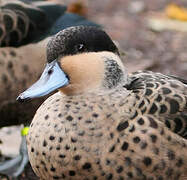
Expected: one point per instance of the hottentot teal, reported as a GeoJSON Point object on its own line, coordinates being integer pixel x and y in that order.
{"type": "Point", "coordinates": [105, 123]}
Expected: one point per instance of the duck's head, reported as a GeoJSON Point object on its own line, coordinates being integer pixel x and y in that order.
{"type": "Point", "coordinates": [79, 59]}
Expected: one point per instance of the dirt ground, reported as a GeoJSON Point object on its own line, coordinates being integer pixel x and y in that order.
{"type": "Point", "coordinates": [126, 22]}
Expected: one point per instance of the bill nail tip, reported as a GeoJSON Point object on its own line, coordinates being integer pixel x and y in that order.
{"type": "Point", "coordinates": [20, 99]}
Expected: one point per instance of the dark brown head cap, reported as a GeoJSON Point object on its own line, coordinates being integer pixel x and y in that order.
{"type": "Point", "coordinates": [79, 39]}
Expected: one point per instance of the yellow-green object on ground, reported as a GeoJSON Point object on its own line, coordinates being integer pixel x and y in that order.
{"type": "Point", "coordinates": [25, 131]}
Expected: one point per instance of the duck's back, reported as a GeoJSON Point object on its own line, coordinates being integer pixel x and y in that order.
{"type": "Point", "coordinates": [103, 137]}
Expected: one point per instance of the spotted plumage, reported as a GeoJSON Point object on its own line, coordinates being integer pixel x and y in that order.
{"type": "Point", "coordinates": [163, 96]}
{"type": "Point", "coordinates": [18, 68]}
{"type": "Point", "coordinates": [105, 125]}
{"type": "Point", "coordinates": [22, 22]}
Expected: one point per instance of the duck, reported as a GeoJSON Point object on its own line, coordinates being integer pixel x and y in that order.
{"type": "Point", "coordinates": [104, 123]}
{"type": "Point", "coordinates": [22, 61]}
{"type": "Point", "coordinates": [24, 22]}
{"type": "Point", "coordinates": [18, 70]}
{"type": "Point", "coordinates": [21, 34]}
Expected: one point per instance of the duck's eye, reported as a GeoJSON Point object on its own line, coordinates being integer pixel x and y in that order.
{"type": "Point", "coordinates": [79, 47]}
{"type": "Point", "coordinates": [50, 71]}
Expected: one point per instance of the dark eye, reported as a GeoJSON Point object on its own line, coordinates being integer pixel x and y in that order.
{"type": "Point", "coordinates": [79, 47]}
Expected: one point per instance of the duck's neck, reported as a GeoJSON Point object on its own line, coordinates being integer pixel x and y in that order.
{"type": "Point", "coordinates": [79, 90]}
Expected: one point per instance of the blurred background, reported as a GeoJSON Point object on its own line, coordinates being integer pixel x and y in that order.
{"type": "Point", "coordinates": [151, 35]}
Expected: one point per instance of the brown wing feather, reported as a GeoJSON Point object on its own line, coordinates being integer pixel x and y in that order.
{"type": "Point", "coordinates": [164, 97]}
